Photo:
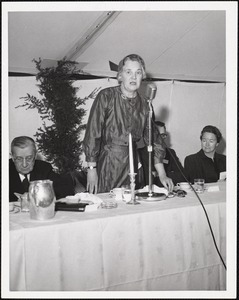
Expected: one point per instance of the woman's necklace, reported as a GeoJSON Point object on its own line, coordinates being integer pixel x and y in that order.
{"type": "Point", "coordinates": [129, 96]}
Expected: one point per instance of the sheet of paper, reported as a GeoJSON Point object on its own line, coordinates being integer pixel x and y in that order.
{"type": "Point", "coordinates": [223, 175]}
{"type": "Point", "coordinates": [213, 188]}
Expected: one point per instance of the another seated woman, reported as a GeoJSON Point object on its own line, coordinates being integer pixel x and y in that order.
{"type": "Point", "coordinates": [207, 163]}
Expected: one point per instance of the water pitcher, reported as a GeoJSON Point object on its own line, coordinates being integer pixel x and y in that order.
{"type": "Point", "coordinates": [42, 199]}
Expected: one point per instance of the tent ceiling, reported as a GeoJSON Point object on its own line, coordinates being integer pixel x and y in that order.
{"type": "Point", "coordinates": [187, 45]}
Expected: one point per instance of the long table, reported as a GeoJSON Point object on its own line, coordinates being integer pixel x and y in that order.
{"type": "Point", "coordinates": [154, 246]}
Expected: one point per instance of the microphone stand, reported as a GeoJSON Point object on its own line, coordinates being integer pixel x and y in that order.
{"type": "Point", "coordinates": [150, 195]}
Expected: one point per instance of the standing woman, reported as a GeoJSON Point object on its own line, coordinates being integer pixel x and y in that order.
{"type": "Point", "coordinates": [116, 112]}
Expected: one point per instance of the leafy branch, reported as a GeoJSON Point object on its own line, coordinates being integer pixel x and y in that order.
{"type": "Point", "coordinates": [60, 141]}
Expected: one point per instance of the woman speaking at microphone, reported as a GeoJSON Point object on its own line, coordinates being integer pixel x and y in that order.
{"type": "Point", "coordinates": [115, 113]}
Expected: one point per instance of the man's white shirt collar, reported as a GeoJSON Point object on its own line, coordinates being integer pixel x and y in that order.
{"type": "Point", "coordinates": [22, 177]}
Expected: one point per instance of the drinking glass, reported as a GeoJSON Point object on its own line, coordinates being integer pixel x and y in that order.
{"type": "Point", "coordinates": [25, 202]}
{"type": "Point", "coordinates": [199, 185]}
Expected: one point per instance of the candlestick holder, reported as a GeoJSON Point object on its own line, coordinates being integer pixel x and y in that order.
{"type": "Point", "coordinates": [132, 186]}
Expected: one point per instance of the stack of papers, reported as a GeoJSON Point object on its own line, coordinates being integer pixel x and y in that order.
{"type": "Point", "coordinates": [93, 201]}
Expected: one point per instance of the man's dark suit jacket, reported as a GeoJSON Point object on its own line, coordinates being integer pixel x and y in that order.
{"type": "Point", "coordinates": [198, 165]}
{"type": "Point", "coordinates": [63, 185]}
{"type": "Point", "coordinates": [170, 166]}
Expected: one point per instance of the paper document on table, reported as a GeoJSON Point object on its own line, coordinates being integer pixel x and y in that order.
{"type": "Point", "coordinates": [91, 207]}
{"type": "Point", "coordinates": [214, 188]}
{"type": "Point", "coordinates": [91, 199]}
{"type": "Point", "coordinates": [223, 175]}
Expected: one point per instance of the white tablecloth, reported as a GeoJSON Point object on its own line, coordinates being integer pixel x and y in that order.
{"type": "Point", "coordinates": [157, 246]}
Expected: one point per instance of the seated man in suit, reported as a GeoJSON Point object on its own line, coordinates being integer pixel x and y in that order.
{"type": "Point", "coordinates": [171, 167]}
{"type": "Point", "coordinates": [24, 167]}
{"type": "Point", "coordinates": [207, 163]}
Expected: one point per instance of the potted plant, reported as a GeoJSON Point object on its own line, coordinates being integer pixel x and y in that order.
{"type": "Point", "coordinates": [62, 113]}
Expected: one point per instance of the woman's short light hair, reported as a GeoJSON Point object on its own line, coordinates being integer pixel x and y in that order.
{"type": "Point", "coordinates": [133, 57]}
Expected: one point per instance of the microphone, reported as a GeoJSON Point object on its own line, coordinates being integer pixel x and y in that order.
{"type": "Point", "coordinates": [150, 92]}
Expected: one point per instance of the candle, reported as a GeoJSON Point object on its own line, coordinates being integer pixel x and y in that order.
{"type": "Point", "coordinates": [131, 158]}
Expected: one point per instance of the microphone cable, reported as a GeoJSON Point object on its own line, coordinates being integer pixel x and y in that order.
{"type": "Point", "coordinates": [210, 227]}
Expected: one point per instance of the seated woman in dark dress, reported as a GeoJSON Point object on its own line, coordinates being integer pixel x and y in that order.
{"type": "Point", "coordinates": [207, 163]}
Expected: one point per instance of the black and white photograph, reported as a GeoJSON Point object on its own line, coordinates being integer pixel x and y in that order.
{"type": "Point", "coordinates": [119, 149]}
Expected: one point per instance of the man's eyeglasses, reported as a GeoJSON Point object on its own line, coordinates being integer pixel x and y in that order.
{"type": "Point", "coordinates": [20, 159]}
{"type": "Point", "coordinates": [163, 135]}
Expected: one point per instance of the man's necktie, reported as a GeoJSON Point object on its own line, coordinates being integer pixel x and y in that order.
{"type": "Point", "coordinates": [25, 184]}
